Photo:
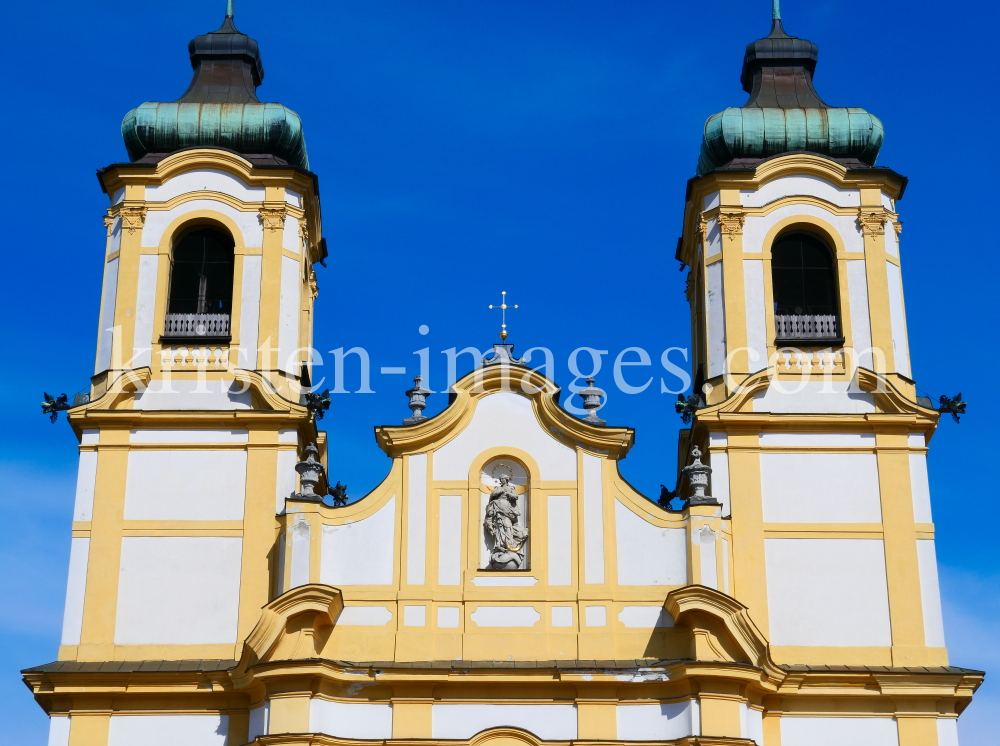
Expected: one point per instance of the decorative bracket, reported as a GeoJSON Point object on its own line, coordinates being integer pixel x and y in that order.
{"type": "Point", "coordinates": [731, 223]}
{"type": "Point", "coordinates": [872, 223]}
{"type": "Point", "coordinates": [133, 218]}
{"type": "Point", "coordinates": [273, 218]}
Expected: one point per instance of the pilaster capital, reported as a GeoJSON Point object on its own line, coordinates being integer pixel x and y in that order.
{"type": "Point", "coordinates": [133, 218]}
{"type": "Point", "coordinates": [731, 223]}
{"type": "Point", "coordinates": [872, 222]}
{"type": "Point", "coordinates": [273, 218]}
{"type": "Point", "coordinates": [109, 221]}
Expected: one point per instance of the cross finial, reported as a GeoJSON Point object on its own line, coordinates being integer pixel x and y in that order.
{"type": "Point", "coordinates": [229, 8]}
{"type": "Point", "coordinates": [775, 10]}
{"type": "Point", "coordinates": [503, 311]}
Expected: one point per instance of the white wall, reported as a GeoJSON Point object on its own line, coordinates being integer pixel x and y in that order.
{"type": "Point", "coordinates": [248, 223]}
{"type": "Point", "coordinates": [920, 487]}
{"type": "Point", "coordinates": [504, 419]}
{"type": "Point", "coordinates": [834, 731]}
{"type": "Point", "coordinates": [505, 616]}
{"type": "Point", "coordinates": [369, 720]}
{"type": "Point", "coordinates": [249, 312]}
{"type": "Point", "coordinates": [208, 180]}
{"type": "Point", "coordinates": [364, 616]}
{"type": "Point", "coordinates": [820, 488]}
{"type": "Point", "coordinates": [715, 306]}
{"type": "Point", "coordinates": [183, 394]}
{"type": "Point", "coordinates": [548, 722]}
{"type": "Point", "coordinates": [645, 617]}
{"type": "Point", "coordinates": [290, 238]}
{"type": "Point", "coordinates": [560, 544]}
{"type": "Point", "coordinates": [897, 320]}
{"type": "Point", "coordinates": [648, 554]}
{"type": "Point", "coordinates": [751, 723]}
{"type": "Point", "coordinates": [753, 288]}
{"type": "Point", "coordinates": [450, 540]}
{"type": "Point", "coordinates": [930, 594]}
{"type": "Point", "coordinates": [416, 518]}
{"type": "Point", "coordinates": [658, 722]}
{"type": "Point", "coordinates": [301, 552]}
{"type": "Point", "coordinates": [362, 552]}
{"type": "Point", "coordinates": [756, 227]}
{"type": "Point", "coordinates": [705, 540]}
{"type": "Point", "coordinates": [178, 590]}
{"type": "Point", "coordinates": [288, 316]}
{"type": "Point", "coordinates": [59, 730]}
{"type": "Point", "coordinates": [713, 238]}
{"type": "Point", "coordinates": [857, 294]}
{"type": "Point", "coordinates": [86, 480]}
{"type": "Point", "coordinates": [185, 485]}
{"type": "Point", "coordinates": [287, 479]}
{"type": "Point", "coordinates": [145, 309]}
{"type": "Point", "coordinates": [827, 592]}
{"type": "Point", "coordinates": [259, 721]}
{"type": "Point", "coordinates": [168, 730]}
{"type": "Point", "coordinates": [947, 731]}
{"type": "Point", "coordinates": [593, 520]}
{"type": "Point", "coordinates": [800, 186]}
{"type": "Point", "coordinates": [76, 591]}
{"type": "Point", "coordinates": [106, 337]}
{"type": "Point", "coordinates": [813, 397]}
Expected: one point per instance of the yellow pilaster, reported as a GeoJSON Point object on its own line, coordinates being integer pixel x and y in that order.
{"type": "Point", "coordinates": [878, 281]}
{"type": "Point", "coordinates": [411, 710]}
{"type": "Point", "coordinates": [596, 714]}
{"type": "Point", "coordinates": [270, 282]}
{"type": "Point", "coordinates": [720, 708]}
{"type": "Point", "coordinates": [916, 720]}
{"type": "Point", "coordinates": [89, 728]}
{"type": "Point", "coordinates": [749, 577]}
{"type": "Point", "coordinates": [730, 221]}
{"type": "Point", "coordinates": [290, 708]}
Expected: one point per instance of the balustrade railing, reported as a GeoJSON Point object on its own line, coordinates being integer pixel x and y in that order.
{"type": "Point", "coordinates": [196, 325]}
{"type": "Point", "coordinates": [805, 327]}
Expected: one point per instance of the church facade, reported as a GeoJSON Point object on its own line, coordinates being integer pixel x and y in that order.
{"type": "Point", "coordinates": [504, 583]}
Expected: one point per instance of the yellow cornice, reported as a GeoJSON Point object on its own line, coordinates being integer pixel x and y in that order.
{"type": "Point", "coordinates": [614, 442]}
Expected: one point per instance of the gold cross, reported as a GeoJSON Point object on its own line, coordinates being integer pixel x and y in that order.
{"type": "Point", "coordinates": [503, 310]}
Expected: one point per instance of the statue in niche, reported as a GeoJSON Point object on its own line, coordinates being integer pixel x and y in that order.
{"type": "Point", "coordinates": [502, 525]}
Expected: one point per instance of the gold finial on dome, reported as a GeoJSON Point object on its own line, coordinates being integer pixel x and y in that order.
{"type": "Point", "coordinates": [503, 310]}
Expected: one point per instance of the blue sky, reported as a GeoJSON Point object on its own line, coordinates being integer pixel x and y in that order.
{"type": "Point", "coordinates": [467, 148]}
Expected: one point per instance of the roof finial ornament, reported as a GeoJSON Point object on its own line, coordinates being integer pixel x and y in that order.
{"type": "Point", "coordinates": [775, 9]}
{"type": "Point", "coordinates": [418, 401]}
{"type": "Point", "coordinates": [503, 311]}
{"type": "Point", "coordinates": [591, 396]}
{"type": "Point", "coordinates": [229, 8]}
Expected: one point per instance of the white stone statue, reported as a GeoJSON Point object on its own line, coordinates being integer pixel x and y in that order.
{"type": "Point", "coordinates": [501, 525]}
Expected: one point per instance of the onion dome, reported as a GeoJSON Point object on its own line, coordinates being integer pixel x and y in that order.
{"type": "Point", "coordinates": [220, 108]}
{"type": "Point", "coordinates": [784, 113]}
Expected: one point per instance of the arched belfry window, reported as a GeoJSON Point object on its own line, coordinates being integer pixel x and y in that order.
{"type": "Point", "coordinates": [201, 285]}
{"type": "Point", "coordinates": [804, 285]}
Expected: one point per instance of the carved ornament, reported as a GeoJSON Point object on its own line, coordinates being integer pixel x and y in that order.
{"type": "Point", "coordinates": [731, 223]}
{"type": "Point", "coordinates": [273, 218]}
{"type": "Point", "coordinates": [872, 223]}
{"type": "Point", "coordinates": [133, 218]}
{"type": "Point", "coordinates": [109, 221]}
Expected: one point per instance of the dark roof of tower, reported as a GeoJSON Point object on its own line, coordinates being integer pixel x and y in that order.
{"type": "Point", "coordinates": [784, 112]}
{"type": "Point", "coordinates": [220, 108]}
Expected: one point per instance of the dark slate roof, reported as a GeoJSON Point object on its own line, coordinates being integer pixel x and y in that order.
{"type": "Point", "coordinates": [952, 670]}
{"type": "Point", "coordinates": [131, 666]}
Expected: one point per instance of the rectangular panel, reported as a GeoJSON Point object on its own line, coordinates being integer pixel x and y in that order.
{"type": "Point", "coordinates": [259, 721]}
{"type": "Point", "coordinates": [364, 720]}
{"type": "Point", "coordinates": [76, 591]}
{"type": "Point", "coordinates": [921, 488]}
{"type": "Point", "coordinates": [648, 554]}
{"type": "Point", "coordinates": [753, 287]}
{"type": "Point", "coordinates": [450, 540]}
{"type": "Point", "coordinates": [820, 731]}
{"type": "Point", "coordinates": [185, 485]}
{"type": "Point", "coordinates": [58, 730]}
{"type": "Point", "coordinates": [720, 479]}
{"type": "Point", "coordinates": [716, 309]}
{"type": "Point", "coordinates": [145, 310]}
{"type": "Point", "coordinates": [817, 440]}
{"type": "Point", "coordinates": [930, 594]}
{"type": "Point", "coordinates": [820, 488]}
{"type": "Point", "coordinates": [249, 312]}
{"type": "Point", "coordinates": [288, 316]}
{"type": "Point", "coordinates": [593, 519]}
{"type": "Point", "coordinates": [659, 722]}
{"type": "Point", "coordinates": [287, 480]}
{"type": "Point", "coordinates": [827, 592]}
{"type": "Point", "coordinates": [106, 334]}
{"type": "Point", "coordinates": [86, 480]}
{"type": "Point", "coordinates": [178, 590]}
{"type": "Point", "coordinates": [861, 328]}
{"type": "Point", "coordinates": [301, 552]}
{"type": "Point", "coordinates": [548, 722]}
{"type": "Point", "coordinates": [362, 552]}
{"type": "Point", "coordinates": [560, 540]}
{"type": "Point", "coordinates": [416, 519]}
{"type": "Point", "coordinates": [189, 436]}
{"type": "Point", "coordinates": [709, 566]}
{"type": "Point", "coordinates": [947, 731]}
{"type": "Point", "coordinates": [897, 317]}
{"type": "Point", "coordinates": [168, 730]}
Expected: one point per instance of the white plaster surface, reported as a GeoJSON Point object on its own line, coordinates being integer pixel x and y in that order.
{"type": "Point", "coordinates": [947, 731]}
{"type": "Point", "coordinates": [249, 312]}
{"type": "Point", "coordinates": [168, 730]}
{"type": "Point", "coordinates": [259, 721]}
{"type": "Point", "coordinates": [752, 722]}
{"type": "Point", "coordinates": [450, 540]}
{"type": "Point", "coordinates": [820, 488]}
{"type": "Point", "coordinates": [548, 722]}
{"type": "Point", "coordinates": [289, 435]}
{"type": "Point", "coordinates": [188, 436]}
{"type": "Point", "coordinates": [301, 551]}
{"type": "Point", "coordinates": [86, 480]}
{"type": "Point", "coordinates": [145, 309]}
{"type": "Point", "coordinates": [645, 617]}
{"type": "Point", "coordinates": [499, 581]}
{"type": "Point", "coordinates": [290, 238]}
{"type": "Point", "coordinates": [713, 238]}
{"type": "Point", "coordinates": [887, 202]}
{"type": "Point", "coordinates": [282, 550]}
{"type": "Point", "coordinates": [178, 590]}
{"type": "Point", "coordinates": [716, 309]}
{"type": "Point", "coordinates": [76, 591]}
{"type": "Point", "coordinates": [648, 554]}
{"type": "Point", "coordinates": [800, 186]}
{"type": "Point", "coordinates": [705, 539]}
{"type": "Point", "coordinates": [891, 245]}
{"type": "Point", "coordinates": [414, 616]}
{"type": "Point", "coordinates": [834, 731]}
{"type": "Point", "coordinates": [560, 543]}
{"type": "Point", "coordinates": [861, 327]}
{"type": "Point", "coordinates": [720, 480]}
{"type": "Point", "coordinates": [288, 316]}
{"type": "Point", "coordinates": [664, 721]}
{"type": "Point", "coordinates": [813, 397]}
{"type": "Point", "coordinates": [504, 419]}
{"type": "Point", "coordinates": [364, 616]}
{"type": "Point", "coordinates": [753, 290]}
{"type": "Point", "coordinates": [189, 394]}
{"type": "Point", "coordinates": [157, 221]}
{"type": "Point", "coordinates": [58, 730]}
{"type": "Point", "coordinates": [718, 439]}
{"type": "Point", "coordinates": [596, 616]}
{"type": "Point", "coordinates": [712, 200]}
{"type": "Point", "coordinates": [921, 488]}
{"type": "Point", "coordinates": [817, 440]}
{"type": "Point", "coordinates": [562, 616]}
{"type": "Point", "coordinates": [287, 479]}
{"type": "Point", "coordinates": [118, 196]}
{"type": "Point", "coordinates": [930, 594]}
{"type": "Point", "coordinates": [93, 437]}
{"type": "Point", "coordinates": [204, 180]}
{"type": "Point", "coordinates": [108, 297]}
{"type": "Point", "coordinates": [185, 485]}
{"type": "Point", "coordinates": [367, 720]}
{"type": "Point", "coordinates": [293, 198]}
{"type": "Point", "coordinates": [416, 518]}
{"type": "Point", "coordinates": [725, 566]}
{"type": "Point", "coordinates": [505, 616]}
{"type": "Point", "coordinates": [362, 552]}
{"type": "Point", "coordinates": [593, 519]}
{"type": "Point", "coordinates": [827, 592]}
{"type": "Point", "coordinates": [448, 617]}
{"type": "Point", "coordinates": [756, 227]}
{"type": "Point", "coordinates": [115, 239]}
{"type": "Point", "coordinates": [897, 319]}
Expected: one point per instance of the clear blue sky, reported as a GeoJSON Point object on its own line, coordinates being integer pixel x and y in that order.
{"type": "Point", "coordinates": [466, 148]}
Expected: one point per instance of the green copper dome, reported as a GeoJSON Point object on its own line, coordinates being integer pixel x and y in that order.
{"type": "Point", "coordinates": [784, 113]}
{"type": "Point", "coordinates": [220, 108]}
